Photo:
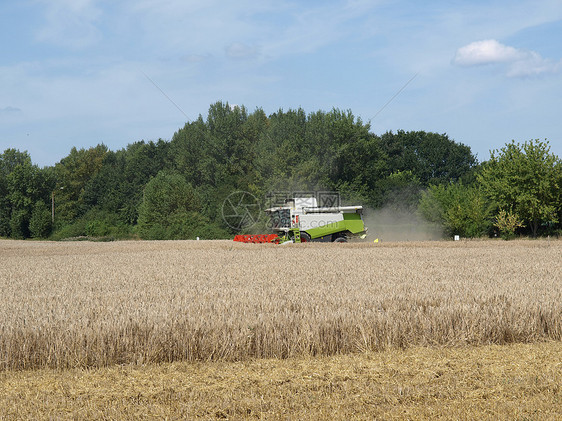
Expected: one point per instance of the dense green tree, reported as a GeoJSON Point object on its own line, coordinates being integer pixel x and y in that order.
{"type": "Point", "coordinates": [5, 205]}
{"type": "Point", "coordinates": [461, 210]}
{"type": "Point", "coordinates": [343, 149]}
{"type": "Point", "coordinates": [115, 190]}
{"type": "Point", "coordinates": [229, 150]}
{"type": "Point", "coordinates": [279, 151]}
{"type": "Point", "coordinates": [361, 164]}
{"type": "Point", "coordinates": [218, 155]}
{"type": "Point", "coordinates": [432, 157]}
{"type": "Point", "coordinates": [359, 158]}
{"type": "Point", "coordinates": [40, 224]}
{"type": "Point", "coordinates": [525, 179]}
{"type": "Point", "coordinates": [19, 224]}
{"type": "Point", "coordinates": [5, 210]}
{"type": "Point", "coordinates": [168, 201]}
{"type": "Point", "coordinates": [10, 159]}
{"type": "Point", "coordinates": [188, 149]}
{"type": "Point", "coordinates": [104, 189]}
{"type": "Point", "coordinates": [319, 151]}
{"type": "Point", "coordinates": [143, 160]}
{"type": "Point", "coordinates": [22, 184]}
{"type": "Point", "coordinates": [73, 173]}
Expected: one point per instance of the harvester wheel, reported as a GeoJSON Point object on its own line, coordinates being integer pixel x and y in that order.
{"type": "Point", "coordinates": [305, 238]}
{"type": "Point", "coordinates": [340, 240]}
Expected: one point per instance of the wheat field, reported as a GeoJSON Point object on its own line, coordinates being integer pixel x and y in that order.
{"type": "Point", "coordinates": [81, 304]}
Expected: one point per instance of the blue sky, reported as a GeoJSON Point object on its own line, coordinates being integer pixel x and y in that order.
{"type": "Point", "coordinates": [74, 72]}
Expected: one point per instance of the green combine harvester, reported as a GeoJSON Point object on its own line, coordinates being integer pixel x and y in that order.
{"type": "Point", "coordinates": [301, 220]}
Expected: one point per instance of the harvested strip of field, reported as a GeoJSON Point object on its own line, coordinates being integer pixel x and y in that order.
{"type": "Point", "coordinates": [517, 382]}
{"type": "Point", "coordinates": [68, 305]}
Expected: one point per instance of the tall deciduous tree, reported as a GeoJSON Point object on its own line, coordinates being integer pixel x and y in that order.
{"type": "Point", "coordinates": [73, 174]}
{"type": "Point", "coordinates": [22, 184]}
{"type": "Point", "coordinates": [432, 157]}
{"type": "Point", "coordinates": [40, 224]}
{"type": "Point", "coordinates": [168, 202]}
{"type": "Point", "coordinates": [527, 180]}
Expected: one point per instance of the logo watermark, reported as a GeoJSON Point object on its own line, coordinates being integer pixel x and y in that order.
{"type": "Point", "coordinates": [241, 210]}
{"type": "Point", "coordinates": [324, 199]}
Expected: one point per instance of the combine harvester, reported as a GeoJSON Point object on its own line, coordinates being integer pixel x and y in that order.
{"type": "Point", "coordinates": [301, 221]}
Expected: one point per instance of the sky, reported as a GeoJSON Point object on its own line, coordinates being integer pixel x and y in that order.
{"type": "Point", "coordinates": [77, 73]}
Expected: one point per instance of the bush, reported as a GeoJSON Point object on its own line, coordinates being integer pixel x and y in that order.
{"type": "Point", "coordinates": [183, 226]}
{"type": "Point", "coordinates": [153, 232]}
{"type": "Point", "coordinates": [461, 210]}
{"type": "Point", "coordinates": [507, 223]}
{"type": "Point", "coordinates": [97, 228]}
{"type": "Point", "coordinates": [95, 224]}
{"type": "Point", "coordinates": [73, 230]}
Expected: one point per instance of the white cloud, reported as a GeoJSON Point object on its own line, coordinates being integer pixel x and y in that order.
{"type": "Point", "coordinates": [486, 52]}
{"type": "Point", "coordinates": [521, 63]}
{"type": "Point", "coordinates": [533, 65]}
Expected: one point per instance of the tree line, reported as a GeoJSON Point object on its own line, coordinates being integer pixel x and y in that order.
{"type": "Point", "coordinates": [175, 189]}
